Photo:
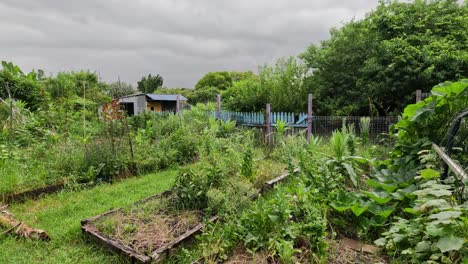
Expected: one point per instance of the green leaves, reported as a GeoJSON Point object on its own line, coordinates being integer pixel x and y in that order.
{"type": "Point", "coordinates": [450, 243]}
{"type": "Point", "coordinates": [352, 174]}
{"type": "Point", "coordinates": [429, 174]}
{"type": "Point", "coordinates": [379, 197]}
{"type": "Point", "coordinates": [445, 215]}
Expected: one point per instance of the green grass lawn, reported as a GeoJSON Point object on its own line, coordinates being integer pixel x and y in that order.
{"type": "Point", "coordinates": [60, 214]}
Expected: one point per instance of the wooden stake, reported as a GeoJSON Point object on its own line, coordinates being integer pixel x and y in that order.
{"type": "Point", "coordinates": [268, 124]}
{"type": "Point", "coordinates": [218, 113]}
{"type": "Point", "coordinates": [309, 118]}
{"type": "Point", "coordinates": [84, 109]}
{"type": "Point", "coordinates": [418, 95]}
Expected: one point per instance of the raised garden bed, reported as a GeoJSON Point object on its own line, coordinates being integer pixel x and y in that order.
{"type": "Point", "coordinates": [36, 193]}
{"type": "Point", "coordinates": [150, 230]}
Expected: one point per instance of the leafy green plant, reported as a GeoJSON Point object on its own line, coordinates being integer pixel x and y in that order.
{"type": "Point", "coordinates": [281, 128]}
{"type": "Point", "coordinates": [343, 161]}
{"type": "Point", "coordinates": [247, 169]}
{"type": "Point", "coordinates": [437, 232]}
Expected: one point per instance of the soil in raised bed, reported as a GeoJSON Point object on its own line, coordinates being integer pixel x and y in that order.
{"type": "Point", "coordinates": [241, 256]}
{"type": "Point", "coordinates": [338, 253]}
{"type": "Point", "coordinates": [148, 226]}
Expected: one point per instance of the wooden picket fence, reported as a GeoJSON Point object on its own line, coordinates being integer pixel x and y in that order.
{"type": "Point", "coordinates": [258, 118]}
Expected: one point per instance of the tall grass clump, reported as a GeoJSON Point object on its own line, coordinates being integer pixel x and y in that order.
{"type": "Point", "coordinates": [339, 144]}
{"type": "Point", "coordinates": [364, 124]}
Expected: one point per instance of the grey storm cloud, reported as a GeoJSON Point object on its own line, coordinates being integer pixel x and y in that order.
{"type": "Point", "coordinates": [179, 39]}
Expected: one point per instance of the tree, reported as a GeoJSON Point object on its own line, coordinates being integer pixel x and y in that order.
{"type": "Point", "coordinates": [186, 92]}
{"type": "Point", "coordinates": [245, 96]}
{"type": "Point", "coordinates": [20, 86]}
{"type": "Point", "coordinates": [119, 89]}
{"type": "Point", "coordinates": [218, 80]}
{"type": "Point", "coordinates": [239, 76]}
{"type": "Point", "coordinates": [149, 84]}
{"type": "Point", "coordinates": [204, 95]}
{"type": "Point", "coordinates": [282, 85]}
{"type": "Point", "coordinates": [374, 66]}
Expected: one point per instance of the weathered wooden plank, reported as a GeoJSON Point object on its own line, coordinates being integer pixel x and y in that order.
{"type": "Point", "coordinates": [114, 245]}
{"type": "Point", "coordinates": [163, 252]}
{"type": "Point", "coordinates": [453, 165]}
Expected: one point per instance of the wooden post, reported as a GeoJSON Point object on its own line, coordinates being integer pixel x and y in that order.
{"type": "Point", "coordinates": [268, 124]}
{"type": "Point", "coordinates": [218, 113]}
{"type": "Point", "coordinates": [11, 114]}
{"type": "Point", "coordinates": [418, 95]}
{"type": "Point", "coordinates": [309, 118]}
{"type": "Point", "coordinates": [84, 109]}
{"type": "Point", "coordinates": [177, 104]}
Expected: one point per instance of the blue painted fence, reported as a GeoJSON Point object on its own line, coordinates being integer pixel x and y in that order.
{"type": "Point", "coordinates": [258, 118]}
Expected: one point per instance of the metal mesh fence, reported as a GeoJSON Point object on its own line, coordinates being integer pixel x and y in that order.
{"type": "Point", "coordinates": [325, 125]}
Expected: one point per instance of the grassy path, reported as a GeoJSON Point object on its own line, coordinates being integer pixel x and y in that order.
{"type": "Point", "coordinates": [60, 214]}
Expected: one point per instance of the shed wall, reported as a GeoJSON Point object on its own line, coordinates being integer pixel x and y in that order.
{"type": "Point", "coordinates": [157, 107]}
{"type": "Point", "coordinates": [139, 102]}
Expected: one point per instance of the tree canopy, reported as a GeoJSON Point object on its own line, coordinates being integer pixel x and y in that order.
{"type": "Point", "coordinates": [20, 86]}
{"type": "Point", "coordinates": [149, 84]}
{"type": "Point", "coordinates": [374, 65]}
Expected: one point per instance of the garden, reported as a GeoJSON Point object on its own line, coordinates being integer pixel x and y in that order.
{"type": "Point", "coordinates": [243, 175]}
{"type": "Point", "coordinates": [343, 198]}
{"type": "Point", "coordinates": [234, 198]}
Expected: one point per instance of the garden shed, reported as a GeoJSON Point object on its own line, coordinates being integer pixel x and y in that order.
{"type": "Point", "coordinates": [138, 103]}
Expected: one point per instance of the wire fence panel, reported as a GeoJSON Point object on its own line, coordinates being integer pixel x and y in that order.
{"type": "Point", "coordinates": [325, 125]}
{"type": "Point", "coordinates": [321, 125]}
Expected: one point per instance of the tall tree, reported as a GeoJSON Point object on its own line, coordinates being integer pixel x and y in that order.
{"type": "Point", "coordinates": [374, 66]}
{"type": "Point", "coordinates": [149, 84]}
{"type": "Point", "coordinates": [219, 80]}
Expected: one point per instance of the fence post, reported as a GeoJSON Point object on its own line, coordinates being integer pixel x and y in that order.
{"type": "Point", "coordinates": [268, 124]}
{"type": "Point", "coordinates": [309, 118]}
{"type": "Point", "coordinates": [218, 113]}
{"type": "Point", "coordinates": [418, 95]}
{"type": "Point", "coordinates": [177, 104]}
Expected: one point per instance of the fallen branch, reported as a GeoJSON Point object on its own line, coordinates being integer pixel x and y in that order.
{"type": "Point", "coordinates": [9, 230]}
{"type": "Point", "coordinates": [22, 229]}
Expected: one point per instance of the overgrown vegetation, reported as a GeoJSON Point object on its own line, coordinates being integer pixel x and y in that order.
{"type": "Point", "coordinates": [394, 193]}
{"type": "Point", "coordinates": [399, 201]}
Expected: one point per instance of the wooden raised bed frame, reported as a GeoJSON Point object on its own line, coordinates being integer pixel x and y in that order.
{"type": "Point", "coordinates": [159, 254]}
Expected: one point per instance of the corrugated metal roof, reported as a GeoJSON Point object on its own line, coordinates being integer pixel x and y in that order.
{"type": "Point", "coordinates": [165, 97]}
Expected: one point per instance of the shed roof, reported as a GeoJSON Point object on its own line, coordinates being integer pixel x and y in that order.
{"type": "Point", "coordinates": [159, 97]}
{"type": "Point", "coordinates": [166, 97]}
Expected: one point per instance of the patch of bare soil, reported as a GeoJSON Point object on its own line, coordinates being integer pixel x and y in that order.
{"type": "Point", "coordinates": [345, 252]}
{"type": "Point", "coordinates": [241, 256]}
{"type": "Point", "coordinates": [149, 226]}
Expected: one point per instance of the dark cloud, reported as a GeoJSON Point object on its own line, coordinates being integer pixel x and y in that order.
{"type": "Point", "coordinates": [180, 39]}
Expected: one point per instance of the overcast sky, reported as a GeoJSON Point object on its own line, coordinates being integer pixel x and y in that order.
{"type": "Point", "coordinates": [179, 39]}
